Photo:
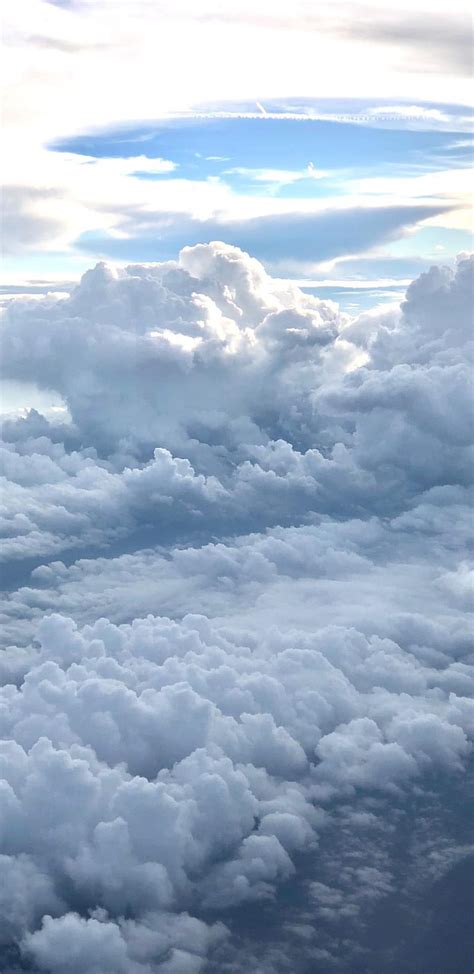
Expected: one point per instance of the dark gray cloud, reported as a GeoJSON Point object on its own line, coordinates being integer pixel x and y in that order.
{"type": "Point", "coordinates": [237, 715]}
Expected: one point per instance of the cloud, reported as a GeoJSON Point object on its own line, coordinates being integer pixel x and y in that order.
{"type": "Point", "coordinates": [276, 238]}
{"type": "Point", "coordinates": [237, 716]}
{"type": "Point", "coordinates": [246, 385]}
{"type": "Point", "coordinates": [438, 40]}
{"type": "Point", "coordinates": [175, 321]}
{"type": "Point", "coordinates": [270, 727]}
{"type": "Point", "coordinates": [26, 217]}
{"type": "Point", "coordinates": [58, 200]}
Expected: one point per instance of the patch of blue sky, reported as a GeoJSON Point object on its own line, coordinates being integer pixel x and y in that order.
{"type": "Point", "coordinates": [357, 300]}
{"type": "Point", "coordinates": [43, 266]}
{"type": "Point", "coordinates": [305, 184]}
{"type": "Point", "coordinates": [203, 148]}
{"type": "Point", "coordinates": [19, 397]}
{"type": "Point", "coordinates": [432, 242]}
{"type": "Point", "coordinates": [308, 188]}
{"type": "Point", "coordinates": [464, 145]}
{"type": "Point", "coordinates": [406, 257]}
{"type": "Point", "coordinates": [381, 265]}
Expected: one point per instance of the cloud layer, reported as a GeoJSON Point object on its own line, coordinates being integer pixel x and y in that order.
{"type": "Point", "coordinates": [237, 713]}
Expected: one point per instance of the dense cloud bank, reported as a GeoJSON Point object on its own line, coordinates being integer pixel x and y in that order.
{"type": "Point", "coordinates": [237, 676]}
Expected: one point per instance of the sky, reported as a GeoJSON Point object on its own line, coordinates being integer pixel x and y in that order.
{"type": "Point", "coordinates": [132, 129]}
{"type": "Point", "coordinates": [236, 667]}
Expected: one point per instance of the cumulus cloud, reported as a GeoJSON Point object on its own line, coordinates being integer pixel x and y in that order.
{"type": "Point", "coordinates": [243, 380]}
{"type": "Point", "coordinates": [249, 678]}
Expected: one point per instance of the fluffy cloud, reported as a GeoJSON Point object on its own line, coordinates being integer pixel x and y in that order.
{"type": "Point", "coordinates": [144, 354]}
{"type": "Point", "coordinates": [243, 380]}
{"type": "Point", "coordinates": [110, 795]}
{"type": "Point", "coordinates": [254, 660]}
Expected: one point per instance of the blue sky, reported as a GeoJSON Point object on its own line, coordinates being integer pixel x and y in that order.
{"type": "Point", "coordinates": [325, 176]}
{"type": "Point", "coordinates": [308, 187]}
{"type": "Point", "coordinates": [211, 146]}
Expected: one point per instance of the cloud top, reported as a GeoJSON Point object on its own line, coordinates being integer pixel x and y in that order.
{"type": "Point", "coordinates": [253, 660]}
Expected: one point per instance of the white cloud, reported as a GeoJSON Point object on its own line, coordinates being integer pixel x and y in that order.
{"type": "Point", "coordinates": [253, 390]}
{"type": "Point", "coordinates": [281, 177]}
{"type": "Point", "coordinates": [271, 666]}
{"type": "Point", "coordinates": [60, 56]}
{"type": "Point", "coordinates": [80, 67]}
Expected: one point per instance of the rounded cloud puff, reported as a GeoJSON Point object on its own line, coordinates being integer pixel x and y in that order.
{"type": "Point", "coordinates": [172, 353]}
{"type": "Point", "coordinates": [165, 767]}
{"type": "Point", "coordinates": [236, 718]}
